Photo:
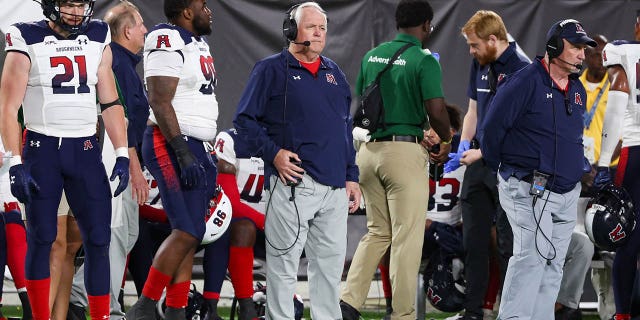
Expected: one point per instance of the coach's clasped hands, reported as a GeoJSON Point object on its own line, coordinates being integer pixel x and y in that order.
{"type": "Point", "coordinates": [454, 162]}
{"type": "Point", "coordinates": [120, 170]}
{"type": "Point", "coordinates": [22, 183]}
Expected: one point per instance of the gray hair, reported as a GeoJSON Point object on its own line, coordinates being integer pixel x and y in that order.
{"type": "Point", "coordinates": [296, 13]}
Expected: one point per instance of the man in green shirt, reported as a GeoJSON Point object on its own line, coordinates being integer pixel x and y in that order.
{"type": "Point", "coordinates": [394, 166]}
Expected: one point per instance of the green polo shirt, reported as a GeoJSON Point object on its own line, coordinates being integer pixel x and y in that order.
{"type": "Point", "coordinates": [414, 78]}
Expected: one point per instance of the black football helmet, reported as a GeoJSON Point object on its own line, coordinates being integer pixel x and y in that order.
{"type": "Point", "coordinates": [610, 217]}
{"type": "Point", "coordinates": [51, 10]}
{"type": "Point", "coordinates": [196, 306]}
{"type": "Point", "coordinates": [443, 281]}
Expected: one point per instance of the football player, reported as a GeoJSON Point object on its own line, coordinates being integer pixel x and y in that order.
{"type": "Point", "coordinates": [242, 179]}
{"type": "Point", "coordinates": [623, 106]}
{"type": "Point", "coordinates": [53, 68]}
{"type": "Point", "coordinates": [180, 78]}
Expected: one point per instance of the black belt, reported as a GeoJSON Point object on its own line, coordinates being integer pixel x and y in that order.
{"type": "Point", "coordinates": [398, 138]}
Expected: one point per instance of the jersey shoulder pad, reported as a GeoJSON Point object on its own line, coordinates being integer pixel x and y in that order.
{"type": "Point", "coordinates": [20, 35]}
{"type": "Point", "coordinates": [167, 37]}
{"type": "Point", "coordinates": [98, 31]}
{"type": "Point", "coordinates": [224, 147]}
{"type": "Point", "coordinates": [613, 52]}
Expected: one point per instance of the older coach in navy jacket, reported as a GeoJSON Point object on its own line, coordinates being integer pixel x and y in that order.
{"type": "Point", "coordinates": [295, 109]}
{"type": "Point", "coordinates": [534, 124]}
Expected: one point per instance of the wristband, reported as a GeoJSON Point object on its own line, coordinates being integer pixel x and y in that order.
{"type": "Point", "coordinates": [448, 141]}
{"type": "Point", "coordinates": [122, 152]}
{"type": "Point", "coordinates": [15, 160]}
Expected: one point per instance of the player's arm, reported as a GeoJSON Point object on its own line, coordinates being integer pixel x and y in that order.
{"type": "Point", "coordinates": [13, 86]}
{"type": "Point", "coordinates": [112, 110]}
{"type": "Point", "coordinates": [161, 90]}
{"type": "Point", "coordinates": [616, 105]}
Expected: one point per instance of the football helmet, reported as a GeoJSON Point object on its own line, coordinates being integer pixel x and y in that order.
{"type": "Point", "coordinates": [443, 281]}
{"type": "Point", "coordinates": [196, 306]}
{"type": "Point", "coordinates": [218, 217]}
{"type": "Point", "coordinates": [610, 217]}
{"type": "Point", "coordinates": [260, 302]}
{"type": "Point", "coordinates": [51, 10]}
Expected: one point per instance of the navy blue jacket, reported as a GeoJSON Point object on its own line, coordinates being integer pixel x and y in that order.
{"type": "Point", "coordinates": [509, 62]}
{"type": "Point", "coordinates": [135, 98]}
{"type": "Point", "coordinates": [531, 125]}
{"type": "Point", "coordinates": [285, 106]}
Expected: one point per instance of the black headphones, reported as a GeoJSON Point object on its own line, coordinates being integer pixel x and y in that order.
{"type": "Point", "coordinates": [555, 45]}
{"type": "Point", "coordinates": [289, 25]}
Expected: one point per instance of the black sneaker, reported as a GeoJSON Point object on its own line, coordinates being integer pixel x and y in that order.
{"type": "Point", "coordinates": [566, 313]}
{"type": "Point", "coordinates": [143, 309]}
{"type": "Point", "coordinates": [349, 312]}
{"type": "Point", "coordinates": [76, 312]}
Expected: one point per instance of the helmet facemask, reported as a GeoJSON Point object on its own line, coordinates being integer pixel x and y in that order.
{"type": "Point", "coordinates": [51, 10]}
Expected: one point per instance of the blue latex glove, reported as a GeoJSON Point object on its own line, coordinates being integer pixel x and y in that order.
{"type": "Point", "coordinates": [602, 178]}
{"type": "Point", "coordinates": [454, 161]}
{"type": "Point", "coordinates": [120, 170]}
{"type": "Point", "coordinates": [22, 183]}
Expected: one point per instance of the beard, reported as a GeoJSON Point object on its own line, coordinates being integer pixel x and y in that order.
{"type": "Point", "coordinates": [202, 26]}
{"type": "Point", "coordinates": [488, 57]}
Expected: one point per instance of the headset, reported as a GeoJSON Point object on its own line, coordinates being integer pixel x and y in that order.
{"type": "Point", "coordinates": [289, 25]}
{"type": "Point", "coordinates": [555, 45]}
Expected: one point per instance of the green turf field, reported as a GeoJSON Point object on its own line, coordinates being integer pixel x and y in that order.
{"type": "Point", "coordinates": [13, 311]}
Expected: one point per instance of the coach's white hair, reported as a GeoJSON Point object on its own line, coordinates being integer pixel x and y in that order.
{"type": "Point", "coordinates": [296, 14]}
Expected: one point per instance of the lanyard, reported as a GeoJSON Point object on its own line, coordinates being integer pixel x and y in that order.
{"type": "Point", "coordinates": [588, 116]}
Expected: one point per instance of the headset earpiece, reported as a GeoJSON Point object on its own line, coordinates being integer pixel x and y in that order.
{"type": "Point", "coordinates": [555, 44]}
{"type": "Point", "coordinates": [289, 25]}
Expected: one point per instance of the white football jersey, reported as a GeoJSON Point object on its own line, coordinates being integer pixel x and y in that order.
{"type": "Point", "coordinates": [444, 197]}
{"type": "Point", "coordinates": [249, 170]}
{"type": "Point", "coordinates": [60, 99]}
{"type": "Point", "coordinates": [627, 55]}
{"type": "Point", "coordinates": [174, 52]}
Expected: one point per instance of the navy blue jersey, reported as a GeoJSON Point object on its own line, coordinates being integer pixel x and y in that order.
{"type": "Point", "coordinates": [479, 88]}
{"type": "Point", "coordinates": [532, 125]}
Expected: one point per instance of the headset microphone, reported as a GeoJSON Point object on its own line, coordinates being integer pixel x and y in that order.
{"type": "Point", "coordinates": [304, 43]}
{"type": "Point", "coordinates": [577, 65]}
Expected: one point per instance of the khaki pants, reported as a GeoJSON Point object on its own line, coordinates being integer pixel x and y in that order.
{"type": "Point", "coordinates": [395, 183]}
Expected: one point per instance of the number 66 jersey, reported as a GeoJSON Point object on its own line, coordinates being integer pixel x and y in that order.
{"type": "Point", "coordinates": [60, 99]}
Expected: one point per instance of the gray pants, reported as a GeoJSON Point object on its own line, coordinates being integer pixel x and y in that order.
{"type": "Point", "coordinates": [532, 282]}
{"type": "Point", "coordinates": [576, 265]}
{"type": "Point", "coordinates": [316, 221]}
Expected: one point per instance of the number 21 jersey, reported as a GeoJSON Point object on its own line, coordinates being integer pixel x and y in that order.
{"type": "Point", "coordinates": [60, 99]}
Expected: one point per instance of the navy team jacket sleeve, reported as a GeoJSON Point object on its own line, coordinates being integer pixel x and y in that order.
{"type": "Point", "coordinates": [251, 110]}
{"type": "Point", "coordinates": [505, 108]}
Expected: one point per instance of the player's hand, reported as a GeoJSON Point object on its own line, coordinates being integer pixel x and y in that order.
{"type": "Point", "coordinates": [454, 162]}
{"type": "Point", "coordinates": [442, 154]}
{"type": "Point", "coordinates": [603, 177]}
{"type": "Point", "coordinates": [192, 172]}
{"type": "Point", "coordinates": [120, 170]}
{"type": "Point", "coordinates": [22, 184]}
